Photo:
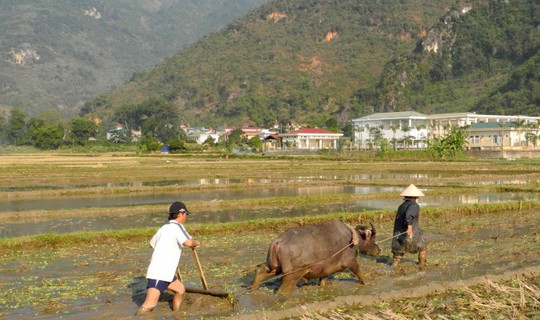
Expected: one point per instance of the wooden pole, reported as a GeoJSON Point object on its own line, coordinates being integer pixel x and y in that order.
{"type": "Point", "coordinates": [203, 279]}
{"type": "Point", "coordinates": [219, 294]}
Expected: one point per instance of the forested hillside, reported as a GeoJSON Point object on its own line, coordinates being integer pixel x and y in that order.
{"type": "Point", "coordinates": [308, 61]}
{"type": "Point", "coordinates": [299, 60]}
{"type": "Point", "coordinates": [482, 56]}
{"type": "Point", "coordinates": [60, 53]}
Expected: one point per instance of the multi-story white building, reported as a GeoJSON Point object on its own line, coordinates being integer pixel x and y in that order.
{"type": "Point", "coordinates": [408, 129]}
{"type": "Point", "coordinates": [440, 125]}
{"type": "Point", "coordinates": [413, 130]}
{"type": "Point", "coordinates": [310, 139]}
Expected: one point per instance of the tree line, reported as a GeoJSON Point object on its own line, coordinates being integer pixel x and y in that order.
{"type": "Point", "coordinates": [46, 131]}
{"type": "Point", "coordinates": [157, 121]}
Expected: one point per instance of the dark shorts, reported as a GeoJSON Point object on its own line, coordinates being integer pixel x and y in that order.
{"type": "Point", "coordinates": [403, 244]}
{"type": "Point", "coordinates": [158, 284]}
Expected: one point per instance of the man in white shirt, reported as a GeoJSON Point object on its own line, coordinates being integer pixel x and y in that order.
{"type": "Point", "coordinates": [167, 243]}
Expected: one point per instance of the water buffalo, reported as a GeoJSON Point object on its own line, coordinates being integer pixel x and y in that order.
{"type": "Point", "coordinates": [316, 251]}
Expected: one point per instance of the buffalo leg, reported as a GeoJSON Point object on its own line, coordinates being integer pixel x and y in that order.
{"type": "Point", "coordinates": [355, 268]}
{"type": "Point", "coordinates": [261, 275]}
{"type": "Point", "coordinates": [288, 283]}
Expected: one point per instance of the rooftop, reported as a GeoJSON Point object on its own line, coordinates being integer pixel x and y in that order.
{"type": "Point", "coordinates": [310, 131]}
{"type": "Point", "coordinates": [394, 115]}
{"type": "Point", "coordinates": [491, 125]}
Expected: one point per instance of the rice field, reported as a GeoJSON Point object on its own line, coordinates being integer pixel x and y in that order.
{"type": "Point", "coordinates": [99, 274]}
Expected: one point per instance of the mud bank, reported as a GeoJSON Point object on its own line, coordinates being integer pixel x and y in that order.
{"type": "Point", "coordinates": [434, 288]}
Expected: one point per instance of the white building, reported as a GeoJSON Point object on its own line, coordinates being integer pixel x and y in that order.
{"type": "Point", "coordinates": [502, 135]}
{"type": "Point", "coordinates": [200, 135]}
{"type": "Point", "coordinates": [120, 135]}
{"type": "Point", "coordinates": [310, 139]}
{"type": "Point", "coordinates": [440, 125]}
{"type": "Point", "coordinates": [408, 129]}
{"type": "Point", "coordinates": [413, 130]}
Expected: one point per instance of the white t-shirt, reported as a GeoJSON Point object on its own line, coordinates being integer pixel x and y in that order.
{"type": "Point", "coordinates": [167, 244]}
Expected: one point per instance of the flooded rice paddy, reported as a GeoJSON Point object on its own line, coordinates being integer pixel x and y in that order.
{"type": "Point", "coordinates": [70, 195]}
{"type": "Point", "coordinates": [28, 226]}
{"type": "Point", "coordinates": [102, 281]}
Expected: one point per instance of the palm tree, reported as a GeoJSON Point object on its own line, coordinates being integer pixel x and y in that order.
{"type": "Point", "coordinates": [394, 129]}
{"type": "Point", "coordinates": [375, 136]}
{"type": "Point", "coordinates": [531, 138]}
{"type": "Point", "coordinates": [406, 139]}
{"type": "Point", "coordinates": [532, 135]}
{"type": "Point", "coordinates": [520, 124]}
{"type": "Point", "coordinates": [502, 125]}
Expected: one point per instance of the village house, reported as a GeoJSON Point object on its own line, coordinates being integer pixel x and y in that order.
{"type": "Point", "coordinates": [249, 132]}
{"type": "Point", "coordinates": [120, 135]}
{"type": "Point", "coordinates": [201, 135]}
{"type": "Point", "coordinates": [272, 142]}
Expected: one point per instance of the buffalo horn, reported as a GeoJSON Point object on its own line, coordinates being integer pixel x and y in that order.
{"type": "Point", "coordinates": [372, 228]}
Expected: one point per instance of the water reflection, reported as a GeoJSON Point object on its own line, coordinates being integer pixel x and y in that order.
{"type": "Point", "coordinates": [483, 198]}
{"type": "Point", "coordinates": [218, 215]}
{"type": "Point", "coordinates": [18, 205]}
{"type": "Point", "coordinates": [227, 181]}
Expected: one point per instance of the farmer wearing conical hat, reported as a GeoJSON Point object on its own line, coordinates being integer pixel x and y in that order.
{"type": "Point", "coordinates": [407, 234]}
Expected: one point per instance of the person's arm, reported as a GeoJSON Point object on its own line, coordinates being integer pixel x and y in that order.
{"type": "Point", "coordinates": [409, 231]}
{"type": "Point", "coordinates": [192, 243]}
{"type": "Point", "coordinates": [410, 215]}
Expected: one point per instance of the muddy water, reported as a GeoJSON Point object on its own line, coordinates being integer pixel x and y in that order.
{"type": "Point", "coordinates": [18, 205]}
{"type": "Point", "coordinates": [107, 282]}
{"type": "Point", "coordinates": [63, 225]}
{"type": "Point", "coordinates": [226, 181]}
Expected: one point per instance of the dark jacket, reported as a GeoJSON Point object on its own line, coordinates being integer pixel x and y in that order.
{"type": "Point", "coordinates": [408, 213]}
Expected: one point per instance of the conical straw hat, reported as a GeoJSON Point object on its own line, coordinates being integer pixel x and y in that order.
{"type": "Point", "coordinates": [411, 191]}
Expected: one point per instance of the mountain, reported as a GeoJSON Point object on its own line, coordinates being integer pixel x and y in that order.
{"type": "Point", "coordinates": [311, 61]}
{"type": "Point", "coordinates": [299, 60]}
{"type": "Point", "coordinates": [60, 53]}
{"type": "Point", "coordinates": [481, 56]}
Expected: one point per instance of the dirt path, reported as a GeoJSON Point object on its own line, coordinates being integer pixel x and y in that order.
{"type": "Point", "coordinates": [106, 282]}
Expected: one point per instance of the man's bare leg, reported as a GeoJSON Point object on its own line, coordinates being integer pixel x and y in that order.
{"type": "Point", "coordinates": [152, 297]}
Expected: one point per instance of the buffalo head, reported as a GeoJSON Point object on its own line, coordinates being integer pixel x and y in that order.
{"type": "Point", "coordinates": [367, 244]}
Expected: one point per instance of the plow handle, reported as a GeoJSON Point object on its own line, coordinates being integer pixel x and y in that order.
{"type": "Point", "coordinates": [203, 279]}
